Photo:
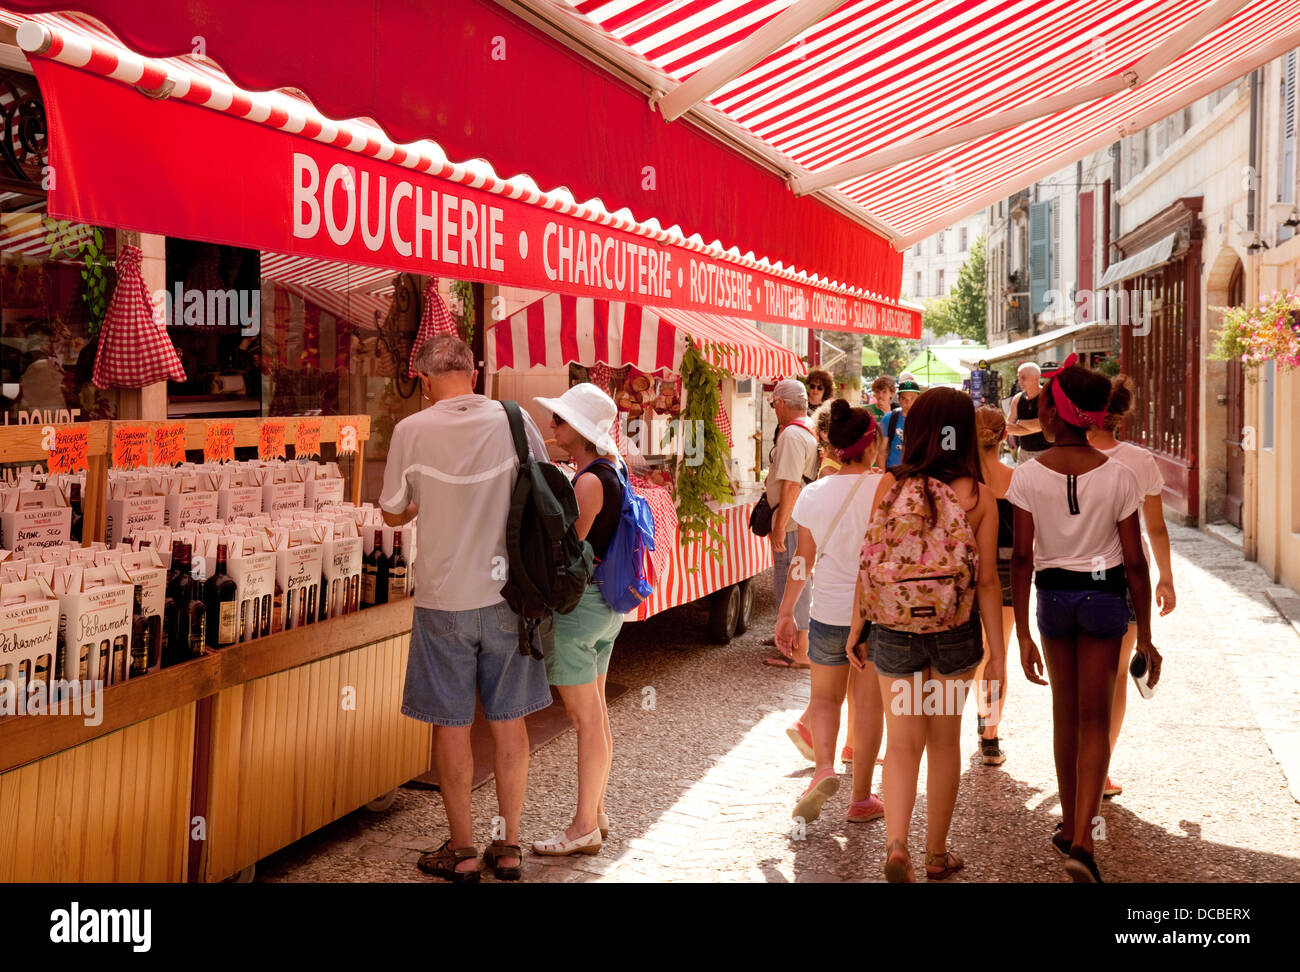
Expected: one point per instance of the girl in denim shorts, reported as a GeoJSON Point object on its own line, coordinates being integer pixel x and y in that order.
{"type": "Point", "coordinates": [924, 678]}
{"type": "Point", "coordinates": [1076, 529]}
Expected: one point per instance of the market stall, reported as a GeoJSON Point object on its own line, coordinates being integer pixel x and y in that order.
{"type": "Point", "coordinates": [638, 355]}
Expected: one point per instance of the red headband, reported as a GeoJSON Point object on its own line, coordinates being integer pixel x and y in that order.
{"type": "Point", "coordinates": [1071, 412]}
{"type": "Point", "coordinates": [849, 453]}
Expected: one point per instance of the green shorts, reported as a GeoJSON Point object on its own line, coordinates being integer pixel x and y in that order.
{"type": "Point", "coordinates": [583, 640]}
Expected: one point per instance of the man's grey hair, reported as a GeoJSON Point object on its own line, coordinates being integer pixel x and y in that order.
{"type": "Point", "coordinates": [792, 392]}
{"type": "Point", "coordinates": [442, 354]}
{"type": "Point", "coordinates": [1029, 366]}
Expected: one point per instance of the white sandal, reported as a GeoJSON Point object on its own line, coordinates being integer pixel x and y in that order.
{"type": "Point", "coordinates": [561, 846]}
{"type": "Point", "coordinates": [602, 820]}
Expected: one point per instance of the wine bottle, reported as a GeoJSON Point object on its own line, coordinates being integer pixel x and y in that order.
{"type": "Point", "coordinates": [83, 661]}
{"type": "Point", "coordinates": [139, 637]}
{"type": "Point", "coordinates": [382, 567]}
{"type": "Point", "coordinates": [265, 629]}
{"type": "Point", "coordinates": [105, 663]}
{"type": "Point", "coordinates": [74, 501]}
{"type": "Point", "coordinates": [221, 610]}
{"type": "Point", "coordinates": [277, 609]}
{"type": "Point", "coordinates": [370, 569]}
{"type": "Point", "coordinates": [119, 659]}
{"type": "Point", "coordinates": [397, 570]}
{"type": "Point", "coordinates": [196, 618]}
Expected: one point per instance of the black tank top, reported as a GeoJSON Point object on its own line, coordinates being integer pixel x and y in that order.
{"type": "Point", "coordinates": [1027, 408]}
{"type": "Point", "coordinates": [1006, 533]}
{"type": "Point", "coordinates": [605, 525]}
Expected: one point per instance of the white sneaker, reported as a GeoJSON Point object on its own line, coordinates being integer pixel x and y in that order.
{"type": "Point", "coordinates": [561, 846]}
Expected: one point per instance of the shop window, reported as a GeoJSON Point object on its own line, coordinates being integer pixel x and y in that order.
{"type": "Point", "coordinates": [49, 316]}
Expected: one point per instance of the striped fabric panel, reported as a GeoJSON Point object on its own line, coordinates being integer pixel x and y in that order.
{"type": "Point", "coordinates": [879, 72]}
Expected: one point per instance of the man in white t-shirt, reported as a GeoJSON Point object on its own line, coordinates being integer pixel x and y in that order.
{"type": "Point", "coordinates": [794, 462]}
{"type": "Point", "coordinates": [456, 462]}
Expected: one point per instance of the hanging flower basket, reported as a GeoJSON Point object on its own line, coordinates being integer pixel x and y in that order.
{"type": "Point", "coordinates": [1254, 335]}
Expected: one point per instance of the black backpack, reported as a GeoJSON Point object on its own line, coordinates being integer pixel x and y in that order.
{"type": "Point", "coordinates": [549, 566]}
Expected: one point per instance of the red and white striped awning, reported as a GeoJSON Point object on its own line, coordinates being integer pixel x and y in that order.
{"type": "Point", "coordinates": [558, 330]}
{"type": "Point", "coordinates": [324, 274]}
{"type": "Point", "coordinates": [922, 113]}
{"type": "Point", "coordinates": [358, 309]}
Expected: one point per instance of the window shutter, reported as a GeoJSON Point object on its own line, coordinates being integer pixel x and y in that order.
{"type": "Point", "coordinates": [1039, 271]}
{"type": "Point", "coordinates": [1086, 245]}
{"type": "Point", "coordinates": [1054, 246]}
{"type": "Point", "coordinates": [1287, 170]}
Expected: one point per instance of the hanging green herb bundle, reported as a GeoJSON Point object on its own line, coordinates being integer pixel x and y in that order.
{"type": "Point", "coordinates": [698, 482]}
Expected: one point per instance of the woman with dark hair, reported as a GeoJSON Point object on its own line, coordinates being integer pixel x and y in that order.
{"type": "Point", "coordinates": [832, 516]}
{"type": "Point", "coordinates": [820, 387]}
{"type": "Point", "coordinates": [1141, 464]}
{"type": "Point", "coordinates": [1077, 532]}
{"type": "Point", "coordinates": [929, 557]}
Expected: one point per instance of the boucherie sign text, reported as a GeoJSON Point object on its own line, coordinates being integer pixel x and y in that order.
{"type": "Point", "coordinates": [204, 175]}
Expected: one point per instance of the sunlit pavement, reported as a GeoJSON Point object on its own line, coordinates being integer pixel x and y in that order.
{"type": "Point", "coordinates": [704, 778]}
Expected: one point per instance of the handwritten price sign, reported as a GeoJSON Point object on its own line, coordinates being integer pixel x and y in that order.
{"type": "Point", "coordinates": [168, 445]}
{"type": "Point", "coordinates": [130, 446]}
{"type": "Point", "coordinates": [270, 440]}
{"type": "Point", "coordinates": [347, 444]}
{"type": "Point", "coordinates": [68, 450]}
{"type": "Point", "coordinates": [307, 441]}
{"type": "Point", "coordinates": [218, 442]}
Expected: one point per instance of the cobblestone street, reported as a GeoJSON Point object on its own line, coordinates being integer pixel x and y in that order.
{"type": "Point", "coordinates": [704, 781]}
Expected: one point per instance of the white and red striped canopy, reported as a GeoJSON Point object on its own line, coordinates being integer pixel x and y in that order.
{"type": "Point", "coordinates": [558, 330]}
{"type": "Point", "coordinates": [827, 84]}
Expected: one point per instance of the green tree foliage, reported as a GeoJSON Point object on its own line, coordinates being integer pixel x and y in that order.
{"type": "Point", "coordinates": [894, 352]}
{"type": "Point", "coordinates": [968, 313]}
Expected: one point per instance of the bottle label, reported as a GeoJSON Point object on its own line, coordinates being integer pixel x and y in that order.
{"type": "Point", "coordinates": [198, 637]}
{"type": "Point", "coordinates": [397, 583]}
{"type": "Point", "coordinates": [368, 586]}
{"type": "Point", "coordinates": [227, 633]}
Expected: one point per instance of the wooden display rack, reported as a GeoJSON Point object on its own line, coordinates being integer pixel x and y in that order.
{"type": "Point", "coordinates": [198, 771]}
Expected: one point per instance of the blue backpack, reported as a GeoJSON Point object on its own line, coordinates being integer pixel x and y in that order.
{"type": "Point", "coordinates": [621, 574]}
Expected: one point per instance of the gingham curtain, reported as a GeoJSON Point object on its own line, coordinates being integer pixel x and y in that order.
{"type": "Point", "coordinates": [134, 349]}
{"type": "Point", "coordinates": [434, 320]}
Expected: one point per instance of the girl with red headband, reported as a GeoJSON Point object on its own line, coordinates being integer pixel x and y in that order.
{"type": "Point", "coordinates": [832, 516]}
{"type": "Point", "coordinates": [1077, 532]}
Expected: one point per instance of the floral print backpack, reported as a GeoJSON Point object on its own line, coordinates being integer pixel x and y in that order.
{"type": "Point", "coordinates": [919, 563]}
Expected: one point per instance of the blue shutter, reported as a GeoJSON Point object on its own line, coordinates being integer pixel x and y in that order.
{"type": "Point", "coordinates": [1040, 255]}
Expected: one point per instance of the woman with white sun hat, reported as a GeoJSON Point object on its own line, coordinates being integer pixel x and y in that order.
{"type": "Point", "coordinates": [584, 638]}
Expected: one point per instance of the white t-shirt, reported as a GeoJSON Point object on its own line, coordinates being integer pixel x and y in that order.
{"type": "Point", "coordinates": [1082, 540]}
{"type": "Point", "coordinates": [1141, 464]}
{"type": "Point", "coordinates": [794, 459]}
{"type": "Point", "coordinates": [456, 461]}
{"type": "Point", "coordinates": [838, 556]}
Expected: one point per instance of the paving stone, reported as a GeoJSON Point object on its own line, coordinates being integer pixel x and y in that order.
{"type": "Point", "coordinates": [385, 852]}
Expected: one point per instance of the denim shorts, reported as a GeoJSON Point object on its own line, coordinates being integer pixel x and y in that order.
{"type": "Point", "coordinates": [826, 642]}
{"type": "Point", "coordinates": [780, 572]}
{"type": "Point", "coordinates": [453, 653]}
{"type": "Point", "coordinates": [950, 652]}
{"type": "Point", "coordinates": [1065, 614]}
{"type": "Point", "coordinates": [583, 640]}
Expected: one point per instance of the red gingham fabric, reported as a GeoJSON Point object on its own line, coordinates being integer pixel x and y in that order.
{"type": "Point", "coordinates": [134, 349]}
{"type": "Point", "coordinates": [723, 421]}
{"type": "Point", "coordinates": [434, 320]}
{"type": "Point", "coordinates": [665, 514]}
{"type": "Point", "coordinates": [599, 375]}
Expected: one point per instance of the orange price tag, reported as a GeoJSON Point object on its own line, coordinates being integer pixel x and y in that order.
{"type": "Point", "coordinates": [307, 441]}
{"type": "Point", "coordinates": [168, 445]}
{"type": "Point", "coordinates": [218, 441]}
{"type": "Point", "coordinates": [270, 440]}
{"type": "Point", "coordinates": [69, 452]}
{"type": "Point", "coordinates": [130, 446]}
{"type": "Point", "coordinates": [347, 441]}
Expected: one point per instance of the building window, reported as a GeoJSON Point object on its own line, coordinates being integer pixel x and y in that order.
{"type": "Point", "coordinates": [918, 284]}
{"type": "Point", "coordinates": [938, 284]}
{"type": "Point", "coordinates": [963, 236]}
{"type": "Point", "coordinates": [938, 243]}
{"type": "Point", "coordinates": [916, 250]}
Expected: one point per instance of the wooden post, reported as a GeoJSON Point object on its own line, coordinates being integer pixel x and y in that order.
{"type": "Point", "coordinates": [95, 498]}
{"type": "Point", "coordinates": [358, 472]}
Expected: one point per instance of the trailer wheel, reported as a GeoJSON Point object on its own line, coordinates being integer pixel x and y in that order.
{"type": "Point", "coordinates": [381, 803]}
{"type": "Point", "coordinates": [746, 606]}
{"type": "Point", "coordinates": [724, 614]}
{"type": "Point", "coordinates": [242, 877]}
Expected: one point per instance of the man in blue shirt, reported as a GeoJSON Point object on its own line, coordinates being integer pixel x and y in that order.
{"type": "Point", "coordinates": [891, 426]}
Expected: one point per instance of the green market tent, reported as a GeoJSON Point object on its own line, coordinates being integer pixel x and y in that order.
{"type": "Point", "coordinates": [870, 358]}
{"type": "Point", "coordinates": [941, 364]}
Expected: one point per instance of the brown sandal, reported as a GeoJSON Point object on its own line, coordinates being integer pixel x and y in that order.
{"type": "Point", "coordinates": [896, 871]}
{"type": "Point", "coordinates": [441, 862]}
{"type": "Point", "coordinates": [949, 861]}
{"type": "Point", "coordinates": [499, 849]}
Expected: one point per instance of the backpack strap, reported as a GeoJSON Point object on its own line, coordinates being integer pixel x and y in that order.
{"type": "Point", "coordinates": [516, 420]}
{"type": "Point", "coordinates": [893, 424]}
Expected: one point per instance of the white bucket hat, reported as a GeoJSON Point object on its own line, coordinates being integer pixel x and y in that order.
{"type": "Point", "coordinates": [591, 413]}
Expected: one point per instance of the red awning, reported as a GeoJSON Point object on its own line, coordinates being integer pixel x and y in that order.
{"type": "Point", "coordinates": [558, 330]}
{"type": "Point", "coordinates": [488, 85]}
{"type": "Point", "coordinates": [274, 174]}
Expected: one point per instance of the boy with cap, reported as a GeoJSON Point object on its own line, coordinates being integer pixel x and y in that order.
{"type": "Point", "coordinates": [891, 426]}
